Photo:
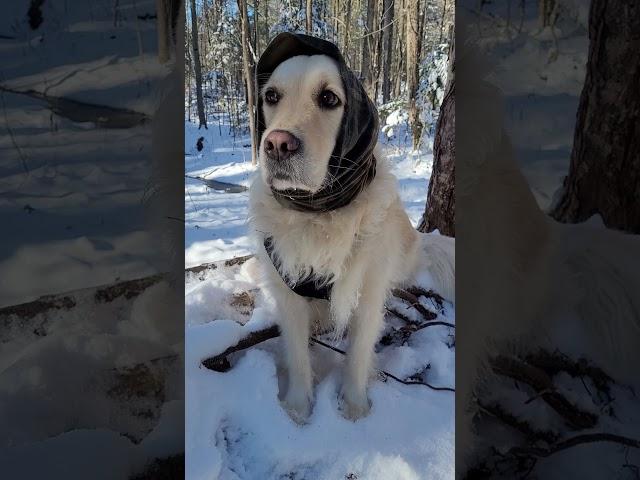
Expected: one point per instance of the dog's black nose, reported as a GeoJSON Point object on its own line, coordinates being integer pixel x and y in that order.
{"type": "Point", "coordinates": [280, 145]}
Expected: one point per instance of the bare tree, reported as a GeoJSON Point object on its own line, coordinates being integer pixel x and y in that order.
{"type": "Point", "coordinates": [309, 15]}
{"type": "Point", "coordinates": [367, 48]}
{"type": "Point", "coordinates": [441, 200]}
{"type": "Point", "coordinates": [546, 10]}
{"type": "Point", "coordinates": [604, 173]}
{"type": "Point", "coordinates": [413, 53]}
{"type": "Point", "coordinates": [248, 76]}
{"type": "Point", "coordinates": [387, 40]}
{"type": "Point", "coordinates": [196, 65]}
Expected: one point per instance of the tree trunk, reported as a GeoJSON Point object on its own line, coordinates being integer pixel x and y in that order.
{"type": "Point", "coordinates": [248, 76]}
{"type": "Point", "coordinates": [440, 209]}
{"type": "Point", "coordinates": [387, 40]}
{"type": "Point", "coordinates": [256, 35]}
{"type": "Point", "coordinates": [545, 9]}
{"type": "Point", "coordinates": [413, 50]}
{"type": "Point", "coordinates": [196, 65]}
{"type": "Point", "coordinates": [309, 14]}
{"type": "Point", "coordinates": [604, 173]}
{"type": "Point", "coordinates": [162, 25]}
{"type": "Point", "coordinates": [367, 50]}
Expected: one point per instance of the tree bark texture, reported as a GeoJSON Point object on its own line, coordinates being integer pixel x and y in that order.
{"type": "Point", "coordinates": [196, 65]}
{"type": "Point", "coordinates": [441, 200]}
{"type": "Point", "coordinates": [387, 39]}
{"type": "Point", "coordinates": [604, 173]}
{"type": "Point", "coordinates": [309, 14]}
{"type": "Point", "coordinates": [248, 76]}
{"type": "Point", "coordinates": [413, 51]}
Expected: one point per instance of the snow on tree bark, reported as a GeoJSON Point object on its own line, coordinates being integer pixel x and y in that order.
{"type": "Point", "coordinates": [441, 201]}
{"type": "Point", "coordinates": [604, 173]}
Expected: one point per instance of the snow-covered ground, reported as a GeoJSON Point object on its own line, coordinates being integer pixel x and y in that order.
{"type": "Point", "coordinates": [235, 426]}
{"type": "Point", "coordinates": [76, 208]}
{"type": "Point", "coordinates": [72, 214]}
{"type": "Point", "coordinates": [541, 79]}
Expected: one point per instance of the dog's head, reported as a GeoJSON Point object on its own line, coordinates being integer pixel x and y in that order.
{"type": "Point", "coordinates": [316, 127]}
{"type": "Point", "coordinates": [302, 104]}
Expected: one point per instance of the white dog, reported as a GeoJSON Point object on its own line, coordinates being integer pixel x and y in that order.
{"type": "Point", "coordinates": [359, 251]}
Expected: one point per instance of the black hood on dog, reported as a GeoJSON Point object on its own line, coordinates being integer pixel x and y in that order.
{"type": "Point", "coordinates": [352, 165]}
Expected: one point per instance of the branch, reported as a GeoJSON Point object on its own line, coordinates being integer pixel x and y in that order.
{"type": "Point", "coordinates": [575, 441]}
{"type": "Point", "coordinates": [544, 388]}
{"type": "Point", "coordinates": [414, 302]}
{"type": "Point", "coordinates": [220, 362]}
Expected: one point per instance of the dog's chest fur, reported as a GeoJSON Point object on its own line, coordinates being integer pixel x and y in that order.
{"type": "Point", "coordinates": [322, 243]}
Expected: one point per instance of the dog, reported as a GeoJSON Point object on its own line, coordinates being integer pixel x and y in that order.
{"type": "Point", "coordinates": [360, 250]}
{"type": "Point", "coordinates": [527, 280]}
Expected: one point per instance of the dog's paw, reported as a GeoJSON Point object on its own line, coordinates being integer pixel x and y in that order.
{"type": "Point", "coordinates": [354, 406]}
{"type": "Point", "coordinates": [297, 404]}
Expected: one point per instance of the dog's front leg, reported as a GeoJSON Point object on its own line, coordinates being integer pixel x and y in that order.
{"type": "Point", "coordinates": [294, 324]}
{"type": "Point", "coordinates": [365, 327]}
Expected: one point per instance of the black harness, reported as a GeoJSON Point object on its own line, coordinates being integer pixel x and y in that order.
{"type": "Point", "coordinates": [312, 287]}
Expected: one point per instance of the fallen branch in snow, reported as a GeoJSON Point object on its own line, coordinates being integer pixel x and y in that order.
{"type": "Point", "coordinates": [537, 370]}
{"type": "Point", "coordinates": [103, 116]}
{"type": "Point", "coordinates": [575, 441]}
{"type": "Point", "coordinates": [543, 386]}
{"type": "Point", "coordinates": [522, 426]}
{"type": "Point", "coordinates": [220, 362]}
{"type": "Point", "coordinates": [412, 299]}
{"type": "Point", "coordinates": [554, 363]}
{"type": "Point", "coordinates": [220, 186]}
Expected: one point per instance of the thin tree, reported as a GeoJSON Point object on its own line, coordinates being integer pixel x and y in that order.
{"type": "Point", "coordinates": [248, 75]}
{"type": "Point", "coordinates": [413, 53]}
{"type": "Point", "coordinates": [367, 48]}
{"type": "Point", "coordinates": [196, 65]}
{"type": "Point", "coordinates": [309, 15]}
{"type": "Point", "coordinates": [387, 40]}
{"type": "Point", "coordinates": [604, 172]}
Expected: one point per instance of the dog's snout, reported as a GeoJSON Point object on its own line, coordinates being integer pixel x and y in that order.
{"type": "Point", "coordinates": [280, 145]}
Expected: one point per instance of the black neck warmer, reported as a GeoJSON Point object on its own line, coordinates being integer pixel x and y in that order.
{"type": "Point", "coordinates": [352, 165]}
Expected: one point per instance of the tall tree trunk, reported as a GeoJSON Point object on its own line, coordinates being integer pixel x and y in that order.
{"type": "Point", "coordinates": [256, 35]}
{"type": "Point", "coordinates": [162, 25]}
{"type": "Point", "coordinates": [604, 173]}
{"type": "Point", "coordinates": [387, 40]}
{"type": "Point", "coordinates": [367, 48]}
{"type": "Point", "coordinates": [309, 15]}
{"type": "Point", "coordinates": [248, 76]}
{"type": "Point", "coordinates": [196, 65]}
{"type": "Point", "coordinates": [442, 19]}
{"type": "Point", "coordinates": [413, 52]}
{"type": "Point", "coordinates": [441, 200]}
{"type": "Point", "coordinates": [545, 10]}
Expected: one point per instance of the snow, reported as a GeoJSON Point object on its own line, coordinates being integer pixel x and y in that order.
{"type": "Point", "coordinates": [235, 425]}
{"type": "Point", "coordinates": [79, 206]}
{"type": "Point", "coordinates": [71, 201]}
{"type": "Point", "coordinates": [541, 82]}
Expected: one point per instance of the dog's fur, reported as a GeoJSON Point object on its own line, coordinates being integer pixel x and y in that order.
{"type": "Point", "coordinates": [527, 277]}
{"type": "Point", "coordinates": [364, 248]}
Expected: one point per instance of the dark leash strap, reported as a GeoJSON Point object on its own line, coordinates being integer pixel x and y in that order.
{"type": "Point", "coordinates": [306, 288]}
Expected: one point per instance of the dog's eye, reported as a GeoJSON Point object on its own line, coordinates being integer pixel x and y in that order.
{"type": "Point", "coordinates": [271, 97]}
{"type": "Point", "coordinates": [328, 99]}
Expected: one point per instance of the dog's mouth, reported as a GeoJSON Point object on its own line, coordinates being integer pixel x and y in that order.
{"type": "Point", "coordinates": [284, 178]}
